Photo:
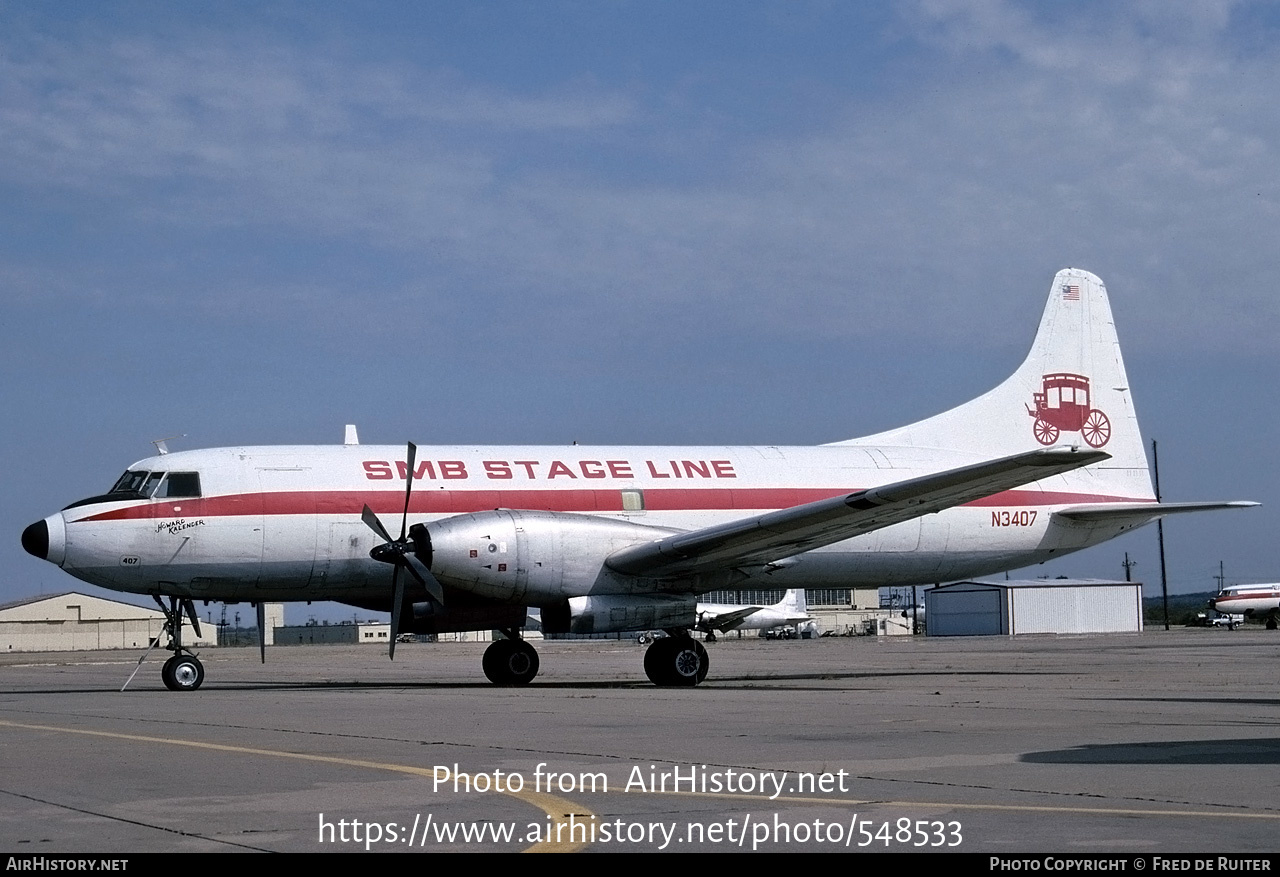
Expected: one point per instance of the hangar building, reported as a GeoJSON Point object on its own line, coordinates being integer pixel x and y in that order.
{"type": "Point", "coordinates": [76, 622]}
{"type": "Point", "coordinates": [1034, 606]}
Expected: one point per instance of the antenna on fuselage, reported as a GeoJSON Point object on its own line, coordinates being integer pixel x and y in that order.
{"type": "Point", "coordinates": [161, 447]}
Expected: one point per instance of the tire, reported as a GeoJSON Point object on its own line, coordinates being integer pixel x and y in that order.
{"type": "Point", "coordinates": [510, 662]}
{"type": "Point", "coordinates": [182, 673]}
{"type": "Point", "coordinates": [677, 661]}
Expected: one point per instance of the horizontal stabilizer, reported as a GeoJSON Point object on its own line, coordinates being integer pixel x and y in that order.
{"type": "Point", "coordinates": [781, 534]}
{"type": "Point", "coordinates": [727, 620]}
{"type": "Point", "coordinates": [1140, 512]}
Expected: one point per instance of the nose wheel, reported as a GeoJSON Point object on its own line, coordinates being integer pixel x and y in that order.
{"type": "Point", "coordinates": [182, 673]}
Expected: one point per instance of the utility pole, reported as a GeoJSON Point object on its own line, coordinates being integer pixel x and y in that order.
{"type": "Point", "coordinates": [1164, 581]}
{"type": "Point", "coordinates": [1221, 577]}
{"type": "Point", "coordinates": [1128, 567]}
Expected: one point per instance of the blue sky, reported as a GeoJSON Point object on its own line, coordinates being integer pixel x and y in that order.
{"type": "Point", "coordinates": [625, 223]}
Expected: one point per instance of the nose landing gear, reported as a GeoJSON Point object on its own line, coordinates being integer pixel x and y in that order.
{"type": "Point", "coordinates": [183, 671]}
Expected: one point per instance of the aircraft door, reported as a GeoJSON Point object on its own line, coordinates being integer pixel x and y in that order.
{"type": "Point", "coordinates": [288, 528]}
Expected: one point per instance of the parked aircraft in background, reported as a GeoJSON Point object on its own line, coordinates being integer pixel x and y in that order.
{"type": "Point", "coordinates": [1258, 602]}
{"type": "Point", "coordinates": [608, 539]}
{"type": "Point", "coordinates": [713, 618]}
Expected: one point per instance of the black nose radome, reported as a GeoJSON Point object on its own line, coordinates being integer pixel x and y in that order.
{"type": "Point", "coordinates": [36, 540]}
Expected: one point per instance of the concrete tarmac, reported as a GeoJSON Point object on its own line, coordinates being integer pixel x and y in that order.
{"type": "Point", "coordinates": [1163, 742]}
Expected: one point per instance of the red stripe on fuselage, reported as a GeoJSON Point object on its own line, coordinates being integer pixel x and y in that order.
{"type": "Point", "coordinates": [453, 502]}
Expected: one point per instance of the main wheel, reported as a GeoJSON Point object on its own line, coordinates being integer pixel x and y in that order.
{"type": "Point", "coordinates": [1046, 433]}
{"type": "Point", "coordinates": [182, 673]}
{"type": "Point", "coordinates": [1096, 429]}
{"type": "Point", "coordinates": [676, 661]}
{"type": "Point", "coordinates": [510, 662]}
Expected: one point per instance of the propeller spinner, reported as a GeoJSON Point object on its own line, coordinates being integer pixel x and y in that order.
{"type": "Point", "coordinates": [400, 553]}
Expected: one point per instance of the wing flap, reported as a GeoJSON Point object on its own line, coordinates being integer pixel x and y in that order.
{"type": "Point", "coordinates": [777, 535]}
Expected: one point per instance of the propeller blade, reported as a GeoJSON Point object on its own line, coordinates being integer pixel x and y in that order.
{"type": "Point", "coordinates": [397, 602]}
{"type": "Point", "coordinates": [424, 577]}
{"type": "Point", "coordinates": [408, 489]}
{"type": "Point", "coordinates": [374, 524]}
{"type": "Point", "coordinates": [262, 631]}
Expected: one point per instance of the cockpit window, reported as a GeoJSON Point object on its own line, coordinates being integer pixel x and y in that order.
{"type": "Point", "coordinates": [130, 482]}
{"type": "Point", "coordinates": [148, 485]}
{"type": "Point", "coordinates": [179, 484]}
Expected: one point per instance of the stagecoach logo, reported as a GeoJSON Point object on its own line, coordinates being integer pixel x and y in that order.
{"type": "Point", "coordinates": [177, 526]}
{"type": "Point", "coordinates": [1063, 406]}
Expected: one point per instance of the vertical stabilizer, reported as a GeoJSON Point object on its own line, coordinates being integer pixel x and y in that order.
{"type": "Point", "coordinates": [1070, 390]}
{"type": "Point", "coordinates": [794, 603]}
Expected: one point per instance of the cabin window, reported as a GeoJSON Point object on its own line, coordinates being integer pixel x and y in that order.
{"type": "Point", "coordinates": [633, 500]}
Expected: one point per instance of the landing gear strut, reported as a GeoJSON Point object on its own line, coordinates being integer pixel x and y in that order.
{"type": "Point", "coordinates": [676, 660]}
{"type": "Point", "coordinates": [183, 671]}
{"type": "Point", "coordinates": [510, 661]}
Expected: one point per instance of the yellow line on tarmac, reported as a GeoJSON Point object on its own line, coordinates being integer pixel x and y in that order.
{"type": "Point", "coordinates": [557, 808]}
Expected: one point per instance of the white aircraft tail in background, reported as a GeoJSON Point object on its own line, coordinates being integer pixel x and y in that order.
{"type": "Point", "coordinates": [716, 618]}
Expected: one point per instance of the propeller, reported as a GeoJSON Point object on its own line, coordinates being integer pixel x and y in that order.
{"type": "Point", "coordinates": [400, 554]}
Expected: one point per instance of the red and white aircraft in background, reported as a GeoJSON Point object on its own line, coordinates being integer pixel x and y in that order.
{"type": "Point", "coordinates": [1259, 602]}
{"type": "Point", "coordinates": [604, 539]}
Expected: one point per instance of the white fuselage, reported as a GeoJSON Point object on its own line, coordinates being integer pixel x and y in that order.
{"type": "Point", "coordinates": [284, 523]}
{"type": "Point", "coordinates": [1251, 601]}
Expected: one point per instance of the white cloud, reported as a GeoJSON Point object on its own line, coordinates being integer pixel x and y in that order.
{"type": "Point", "coordinates": [1134, 141]}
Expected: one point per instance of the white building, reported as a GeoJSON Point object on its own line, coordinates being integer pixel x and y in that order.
{"type": "Point", "coordinates": [78, 622]}
{"type": "Point", "coordinates": [1034, 606]}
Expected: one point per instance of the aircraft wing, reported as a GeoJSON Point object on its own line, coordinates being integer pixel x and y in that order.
{"type": "Point", "coordinates": [1136, 513]}
{"type": "Point", "coordinates": [774, 536]}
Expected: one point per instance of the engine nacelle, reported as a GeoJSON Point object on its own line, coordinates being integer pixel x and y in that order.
{"type": "Point", "coordinates": [529, 557]}
{"type": "Point", "coordinates": [614, 613]}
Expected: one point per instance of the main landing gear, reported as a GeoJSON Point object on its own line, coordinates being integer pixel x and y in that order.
{"type": "Point", "coordinates": [183, 671]}
{"type": "Point", "coordinates": [510, 661]}
{"type": "Point", "coordinates": [676, 660]}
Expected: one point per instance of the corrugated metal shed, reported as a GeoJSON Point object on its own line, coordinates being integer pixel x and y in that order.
{"type": "Point", "coordinates": [74, 622]}
{"type": "Point", "coordinates": [979, 608]}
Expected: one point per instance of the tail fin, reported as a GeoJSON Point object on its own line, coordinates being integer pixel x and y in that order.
{"type": "Point", "coordinates": [794, 602]}
{"type": "Point", "coordinates": [1070, 390]}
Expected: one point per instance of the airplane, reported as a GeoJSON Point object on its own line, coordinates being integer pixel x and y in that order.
{"type": "Point", "coordinates": [713, 618]}
{"type": "Point", "coordinates": [618, 538]}
{"type": "Point", "coordinates": [1259, 602]}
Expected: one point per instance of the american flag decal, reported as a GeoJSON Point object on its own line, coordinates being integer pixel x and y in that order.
{"type": "Point", "coordinates": [1071, 293]}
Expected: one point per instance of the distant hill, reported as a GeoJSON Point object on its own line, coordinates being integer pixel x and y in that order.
{"type": "Point", "coordinates": [1183, 608]}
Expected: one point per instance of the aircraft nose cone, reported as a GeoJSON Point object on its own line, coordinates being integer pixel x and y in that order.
{"type": "Point", "coordinates": [35, 539]}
